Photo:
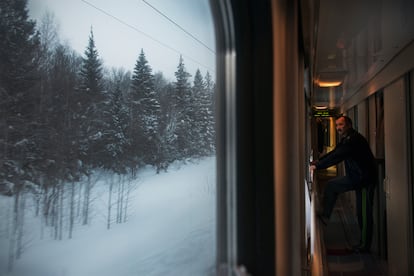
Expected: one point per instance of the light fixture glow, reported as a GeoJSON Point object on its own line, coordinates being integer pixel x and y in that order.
{"type": "Point", "coordinates": [320, 107]}
{"type": "Point", "coordinates": [329, 83]}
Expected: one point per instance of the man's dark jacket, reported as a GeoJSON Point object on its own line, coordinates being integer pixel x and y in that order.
{"type": "Point", "coordinates": [354, 149]}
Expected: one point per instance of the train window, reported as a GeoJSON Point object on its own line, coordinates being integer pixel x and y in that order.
{"type": "Point", "coordinates": [107, 138]}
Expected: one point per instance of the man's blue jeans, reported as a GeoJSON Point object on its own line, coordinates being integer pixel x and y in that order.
{"type": "Point", "coordinates": [364, 203]}
{"type": "Point", "coordinates": [334, 188]}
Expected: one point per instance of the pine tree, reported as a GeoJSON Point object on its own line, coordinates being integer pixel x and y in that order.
{"type": "Point", "coordinates": [19, 50]}
{"type": "Point", "coordinates": [182, 110]}
{"type": "Point", "coordinates": [167, 144]}
{"type": "Point", "coordinates": [210, 90]}
{"type": "Point", "coordinates": [202, 126]}
{"type": "Point", "coordinates": [19, 115]}
{"type": "Point", "coordinates": [116, 138]}
{"type": "Point", "coordinates": [145, 112]}
{"type": "Point", "coordinates": [92, 106]}
{"type": "Point", "coordinates": [19, 45]}
{"type": "Point", "coordinates": [210, 94]}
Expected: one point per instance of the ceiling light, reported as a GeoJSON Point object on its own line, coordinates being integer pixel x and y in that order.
{"type": "Point", "coordinates": [329, 83]}
{"type": "Point", "coordinates": [320, 107]}
{"type": "Point", "coordinates": [330, 78]}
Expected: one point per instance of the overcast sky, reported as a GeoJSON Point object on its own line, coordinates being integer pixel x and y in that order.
{"type": "Point", "coordinates": [122, 27]}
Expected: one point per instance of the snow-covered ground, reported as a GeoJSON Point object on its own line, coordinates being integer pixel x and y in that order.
{"type": "Point", "coordinates": [170, 231]}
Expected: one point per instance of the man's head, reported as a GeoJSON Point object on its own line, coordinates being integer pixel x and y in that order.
{"type": "Point", "coordinates": [343, 124]}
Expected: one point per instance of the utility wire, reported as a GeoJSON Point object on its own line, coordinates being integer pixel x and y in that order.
{"type": "Point", "coordinates": [145, 34]}
{"type": "Point", "coordinates": [172, 21]}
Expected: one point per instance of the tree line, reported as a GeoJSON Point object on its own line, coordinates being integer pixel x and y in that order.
{"type": "Point", "coordinates": [64, 115]}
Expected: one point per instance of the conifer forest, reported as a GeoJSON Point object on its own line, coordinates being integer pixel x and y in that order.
{"type": "Point", "coordinates": [64, 116]}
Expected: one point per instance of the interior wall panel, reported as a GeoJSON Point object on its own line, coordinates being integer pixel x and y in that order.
{"type": "Point", "coordinates": [396, 181]}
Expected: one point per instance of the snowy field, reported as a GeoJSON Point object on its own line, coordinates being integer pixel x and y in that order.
{"type": "Point", "coordinates": [170, 230]}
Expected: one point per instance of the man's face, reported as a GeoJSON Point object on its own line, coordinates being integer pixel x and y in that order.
{"type": "Point", "coordinates": [341, 126]}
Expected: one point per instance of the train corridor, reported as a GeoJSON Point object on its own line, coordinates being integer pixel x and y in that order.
{"type": "Point", "coordinates": [340, 234]}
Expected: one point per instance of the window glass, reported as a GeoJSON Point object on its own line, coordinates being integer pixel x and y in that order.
{"type": "Point", "coordinates": [107, 138]}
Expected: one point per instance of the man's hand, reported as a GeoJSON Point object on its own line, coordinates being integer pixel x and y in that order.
{"type": "Point", "coordinates": [314, 162]}
{"type": "Point", "coordinates": [312, 168]}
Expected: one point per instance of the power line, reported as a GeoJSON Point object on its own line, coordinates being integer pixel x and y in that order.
{"type": "Point", "coordinates": [145, 34]}
{"type": "Point", "coordinates": [172, 21]}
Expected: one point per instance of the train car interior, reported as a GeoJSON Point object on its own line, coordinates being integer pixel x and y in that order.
{"type": "Point", "coordinates": [288, 68]}
{"type": "Point", "coordinates": [284, 71]}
